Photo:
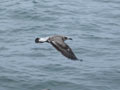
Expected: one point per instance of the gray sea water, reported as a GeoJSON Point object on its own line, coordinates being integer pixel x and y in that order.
{"type": "Point", "coordinates": [94, 26]}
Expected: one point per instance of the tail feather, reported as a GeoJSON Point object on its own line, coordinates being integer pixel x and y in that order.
{"type": "Point", "coordinates": [37, 40]}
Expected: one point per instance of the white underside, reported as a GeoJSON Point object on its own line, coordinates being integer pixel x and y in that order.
{"type": "Point", "coordinates": [43, 39]}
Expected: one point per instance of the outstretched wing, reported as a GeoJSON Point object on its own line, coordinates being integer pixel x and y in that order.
{"type": "Point", "coordinates": [64, 49]}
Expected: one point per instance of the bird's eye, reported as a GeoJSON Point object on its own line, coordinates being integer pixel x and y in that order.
{"type": "Point", "coordinates": [65, 37]}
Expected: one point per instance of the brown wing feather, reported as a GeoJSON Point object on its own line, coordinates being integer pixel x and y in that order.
{"type": "Point", "coordinates": [65, 50]}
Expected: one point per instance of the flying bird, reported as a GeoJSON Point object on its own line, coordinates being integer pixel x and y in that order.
{"type": "Point", "coordinates": [57, 41]}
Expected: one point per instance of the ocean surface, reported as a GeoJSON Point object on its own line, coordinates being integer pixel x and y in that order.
{"type": "Point", "coordinates": [94, 26]}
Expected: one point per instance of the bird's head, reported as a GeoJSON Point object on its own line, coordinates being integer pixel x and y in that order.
{"type": "Point", "coordinates": [67, 38]}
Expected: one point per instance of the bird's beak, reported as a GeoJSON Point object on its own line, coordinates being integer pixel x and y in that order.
{"type": "Point", "coordinates": [69, 38]}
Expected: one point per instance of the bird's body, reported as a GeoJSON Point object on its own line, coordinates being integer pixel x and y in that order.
{"type": "Point", "coordinates": [57, 41]}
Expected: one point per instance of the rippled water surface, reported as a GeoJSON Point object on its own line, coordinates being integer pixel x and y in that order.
{"type": "Point", "coordinates": [94, 26]}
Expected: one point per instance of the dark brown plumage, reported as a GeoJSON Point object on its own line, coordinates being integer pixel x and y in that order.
{"type": "Point", "coordinates": [58, 42]}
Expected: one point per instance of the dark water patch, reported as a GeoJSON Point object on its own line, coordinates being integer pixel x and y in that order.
{"type": "Point", "coordinates": [3, 49]}
{"type": "Point", "coordinates": [55, 85]}
{"type": "Point", "coordinates": [43, 49]}
{"type": "Point", "coordinates": [2, 31]}
{"type": "Point", "coordinates": [31, 14]}
{"type": "Point", "coordinates": [9, 40]}
{"type": "Point", "coordinates": [115, 42]}
{"type": "Point", "coordinates": [58, 68]}
{"type": "Point", "coordinates": [95, 37]}
{"type": "Point", "coordinates": [5, 55]}
{"type": "Point", "coordinates": [108, 1]}
{"type": "Point", "coordinates": [29, 55]}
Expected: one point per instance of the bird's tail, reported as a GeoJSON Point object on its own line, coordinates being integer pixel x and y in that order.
{"type": "Point", "coordinates": [41, 40]}
{"type": "Point", "coordinates": [37, 40]}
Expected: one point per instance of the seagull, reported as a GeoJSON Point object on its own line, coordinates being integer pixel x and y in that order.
{"type": "Point", "coordinates": [57, 41]}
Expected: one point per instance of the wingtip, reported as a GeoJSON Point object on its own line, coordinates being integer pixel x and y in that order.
{"type": "Point", "coordinates": [76, 59]}
{"type": "Point", "coordinates": [80, 60]}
